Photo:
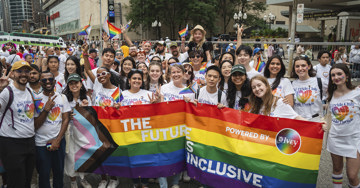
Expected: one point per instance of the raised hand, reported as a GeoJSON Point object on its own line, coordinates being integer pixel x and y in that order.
{"type": "Point", "coordinates": [123, 28]}
{"type": "Point", "coordinates": [240, 29]}
{"type": "Point", "coordinates": [105, 37]}
{"type": "Point", "coordinates": [50, 103]}
{"type": "Point", "coordinates": [4, 80]}
{"type": "Point", "coordinates": [85, 47]}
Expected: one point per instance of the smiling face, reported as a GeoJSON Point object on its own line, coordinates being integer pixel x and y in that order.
{"type": "Point", "coordinates": [198, 35]}
{"type": "Point", "coordinates": [176, 74]}
{"type": "Point", "coordinates": [75, 86]}
{"type": "Point", "coordinates": [34, 76]}
{"type": "Point", "coordinates": [226, 69]}
{"type": "Point", "coordinates": [127, 66]}
{"type": "Point", "coordinates": [238, 78]}
{"type": "Point", "coordinates": [258, 88]}
{"type": "Point", "coordinates": [70, 66]}
{"type": "Point", "coordinates": [147, 47]}
{"type": "Point", "coordinates": [243, 58]}
{"type": "Point", "coordinates": [274, 67]}
{"type": "Point", "coordinates": [338, 76]}
{"type": "Point", "coordinates": [143, 67]}
{"type": "Point", "coordinates": [108, 59]}
{"type": "Point", "coordinates": [135, 81]}
{"type": "Point", "coordinates": [188, 72]}
{"type": "Point", "coordinates": [103, 76]}
{"type": "Point", "coordinates": [227, 57]}
{"type": "Point", "coordinates": [155, 72]}
{"type": "Point", "coordinates": [47, 81]}
{"type": "Point", "coordinates": [141, 57]}
{"type": "Point", "coordinates": [302, 69]}
{"type": "Point", "coordinates": [21, 76]}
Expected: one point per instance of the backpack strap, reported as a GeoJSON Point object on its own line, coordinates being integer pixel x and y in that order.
{"type": "Point", "coordinates": [11, 99]}
{"type": "Point", "coordinates": [320, 87]}
{"type": "Point", "coordinates": [197, 94]}
{"type": "Point", "coordinates": [219, 95]}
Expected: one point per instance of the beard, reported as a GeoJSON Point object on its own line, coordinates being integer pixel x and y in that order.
{"type": "Point", "coordinates": [133, 54]}
{"type": "Point", "coordinates": [175, 53]}
{"type": "Point", "coordinates": [160, 51]}
{"type": "Point", "coordinates": [33, 82]}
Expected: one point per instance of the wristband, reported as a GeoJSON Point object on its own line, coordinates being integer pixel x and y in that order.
{"type": "Point", "coordinates": [85, 54]}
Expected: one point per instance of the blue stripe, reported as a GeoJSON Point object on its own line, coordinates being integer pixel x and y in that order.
{"type": "Point", "coordinates": [91, 129]}
{"type": "Point", "coordinates": [217, 168]}
{"type": "Point", "coordinates": [159, 159]}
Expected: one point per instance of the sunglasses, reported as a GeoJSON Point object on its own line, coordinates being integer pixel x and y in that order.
{"type": "Point", "coordinates": [188, 72]}
{"type": "Point", "coordinates": [21, 71]}
{"type": "Point", "coordinates": [45, 80]}
{"type": "Point", "coordinates": [198, 56]}
{"type": "Point", "coordinates": [139, 70]}
{"type": "Point", "coordinates": [104, 73]}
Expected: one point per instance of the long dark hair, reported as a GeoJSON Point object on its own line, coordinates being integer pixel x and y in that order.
{"type": "Point", "coordinates": [222, 55]}
{"type": "Point", "coordinates": [332, 87]}
{"type": "Point", "coordinates": [115, 79]}
{"type": "Point", "coordinates": [131, 73]}
{"type": "Point", "coordinates": [245, 93]}
{"type": "Point", "coordinates": [279, 75]}
{"type": "Point", "coordinates": [78, 67]}
{"type": "Point", "coordinates": [311, 71]}
{"type": "Point", "coordinates": [222, 81]}
{"type": "Point", "coordinates": [122, 73]}
{"type": "Point", "coordinates": [161, 79]}
{"type": "Point", "coordinates": [70, 96]}
{"type": "Point", "coordinates": [190, 81]}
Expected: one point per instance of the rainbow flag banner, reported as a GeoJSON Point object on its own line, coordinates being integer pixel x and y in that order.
{"type": "Point", "coordinates": [218, 147]}
{"type": "Point", "coordinates": [184, 32]}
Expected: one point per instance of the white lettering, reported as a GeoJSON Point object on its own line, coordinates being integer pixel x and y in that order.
{"type": "Point", "coordinates": [125, 121]}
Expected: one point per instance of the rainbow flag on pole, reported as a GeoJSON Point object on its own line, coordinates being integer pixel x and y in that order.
{"type": "Point", "coordinates": [87, 29]}
{"type": "Point", "coordinates": [190, 89]}
{"type": "Point", "coordinates": [260, 65]}
{"type": "Point", "coordinates": [184, 32]}
{"type": "Point", "coordinates": [117, 95]}
{"type": "Point", "coordinates": [219, 148]}
{"type": "Point", "coordinates": [110, 29]}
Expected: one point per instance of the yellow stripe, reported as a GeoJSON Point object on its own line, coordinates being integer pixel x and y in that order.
{"type": "Point", "coordinates": [148, 135]}
{"type": "Point", "coordinates": [255, 150]}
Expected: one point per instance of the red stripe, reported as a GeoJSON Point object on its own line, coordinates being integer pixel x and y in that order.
{"type": "Point", "coordinates": [211, 111]}
{"type": "Point", "coordinates": [59, 84]}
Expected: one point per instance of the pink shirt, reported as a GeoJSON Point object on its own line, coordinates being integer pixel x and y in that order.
{"type": "Point", "coordinates": [92, 63]}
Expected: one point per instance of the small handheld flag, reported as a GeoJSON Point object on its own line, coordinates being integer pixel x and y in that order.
{"type": "Point", "coordinates": [260, 65]}
{"type": "Point", "coordinates": [117, 95]}
{"type": "Point", "coordinates": [128, 24]}
{"type": "Point", "coordinates": [184, 32]}
{"type": "Point", "coordinates": [203, 68]}
{"type": "Point", "coordinates": [190, 89]}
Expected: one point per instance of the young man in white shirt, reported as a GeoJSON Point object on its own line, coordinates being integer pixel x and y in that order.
{"type": "Point", "coordinates": [323, 70]}
{"type": "Point", "coordinates": [49, 137]}
{"type": "Point", "coordinates": [17, 130]}
{"type": "Point", "coordinates": [243, 57]}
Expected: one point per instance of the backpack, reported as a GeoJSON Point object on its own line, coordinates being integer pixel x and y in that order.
{"type": "Point", "coordinates": [219, 95]}
{"type": "Point", "coordinates": [11, 100]}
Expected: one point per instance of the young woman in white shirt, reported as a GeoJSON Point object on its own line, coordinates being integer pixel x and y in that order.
{"type": "Point", "coordinates": [225, 67]}
{"type": "Point", "coordinates": [344, 135]}
{"type": "Point", "coordinates": [274, 72]}
{"type": "Point", "coordinates": [155, 77]}
{"type": "Point", "coordinates": [239, 89]}
{"type": "Point", "coordinates": [144, 67]}
{"type": "Point", "coordinates": [307, 99]}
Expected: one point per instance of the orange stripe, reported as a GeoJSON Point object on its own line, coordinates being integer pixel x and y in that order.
{"type": "Point", "coordinates": [308, 145]}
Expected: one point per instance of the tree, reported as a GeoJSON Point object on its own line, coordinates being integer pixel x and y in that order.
{"type": "Point", "coordinates": [227, 8]}
{"type": "Point", "coordinates": [173, 14]}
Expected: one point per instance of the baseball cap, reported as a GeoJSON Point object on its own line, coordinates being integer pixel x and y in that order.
{"type": "Point", "coordinates": [173, 44]}
{"type": "Point", "coordinates": [19, 64]}
{"type": "Point", "coordinates": [160, 42]}
{"type": "Point", "coordinates": [74, 77]}
{"type": "Point", "coordinates": [238, 68]}
{"type": "Point", "coordinates": [256, 50]}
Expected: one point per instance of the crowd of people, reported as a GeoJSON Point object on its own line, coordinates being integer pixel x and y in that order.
{"type": "Point", "coordinates": [40, 135]}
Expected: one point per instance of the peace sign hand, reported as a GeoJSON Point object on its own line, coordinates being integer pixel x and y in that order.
{"type": "Point", "coordinates": [85, 47]}
{"type": "Point", "coordinates": [240, 29]}
{"type": "Point", "coordinates": [4, 80]}
{"type": "Point", "coordinates": [50, 103]}
{"type": "Point", "coordinates": [105, 37]}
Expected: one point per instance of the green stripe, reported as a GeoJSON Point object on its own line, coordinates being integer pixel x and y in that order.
{"type": "Point", "coordinates": [147, 148]}
{"type": "Point", "coordinates": [254, 165]}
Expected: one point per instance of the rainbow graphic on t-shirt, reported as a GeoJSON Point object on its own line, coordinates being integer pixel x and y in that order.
{"type": "Point", "coordinates": [340, 112]}
{"type": "Point", "coordinates": [103, 101]}
{"type": "Point", "coordinates": [54, 113]}
{"type": "Point", "coordinates": [288, 141]}
{"type": "Point", "coordinates": [29, 110]}
{"type": "Point", "coordinates": [303, 95]}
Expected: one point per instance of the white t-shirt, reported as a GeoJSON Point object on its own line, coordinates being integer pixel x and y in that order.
{"type": "Point", "coordinates": [323, 72]}
{"type": "Point", "coordinates": [171, 92]}
{"type": "Point", "coordinates": [23, 113]}
{"type": "Point", "coordinates": [209, 98]}
{"type": "Point", "coordinates": [340, 60]}
{"type": "Point", "coordinates": [5, 53]}
{"type": "Point", "coordinates": [199, 76]}
{"type": "Point", "coordinates": [140, 97]}
{"type": "Point", "coordinates": [307, 100]}
{"type": "Point", "coordinates": [282, 110]}
{"type": "Point", "coordinates": [96, 84]}
{"type": "Point", "coordinates": [182, 57]}
{"type": "Point", "coordinates": [102, 96]}
{"type": "Point", "coordinates": [62, 60]}
{"type": "Point", "coordinates": [60, 83]}
{"type": "Point", "coordinates": [252, 73]}
{"type": "Point", "coordinates": [11, 59]}
{"type": "Point", "coordinates": [52, 125]}
{"type": "Point", "coordinates": [73, 103]}
{"type": "Point", "coordinates": [283, 89]}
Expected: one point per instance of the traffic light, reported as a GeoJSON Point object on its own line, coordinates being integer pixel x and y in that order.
{"type": "Point", "coordinates": [111, 10]}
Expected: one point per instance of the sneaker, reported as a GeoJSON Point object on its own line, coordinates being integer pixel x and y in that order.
{"type": "Point", "coordinates": [85, 183]}
{"type": "Point", "coordinates": [186, 178]}
{"type": "Point", "coordinates": [73, 184]}
{"type": "Point", "coordinates": [113, 184]}
{"type": "Point", "coordinates": [175, 186]}
{"type": "Point", "coordinates": [102, 184]}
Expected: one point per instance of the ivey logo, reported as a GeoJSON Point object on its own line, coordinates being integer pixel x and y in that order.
{"type": "Point", "coordinates": [288, 141]}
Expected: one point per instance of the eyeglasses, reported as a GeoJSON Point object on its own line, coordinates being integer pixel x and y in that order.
{"type": "Point", "coordinates": [188, 72]}
{"type": "Point", "coordinates": [104, 73]}
{"type": "Point", "coordinates": [21, 71]}
{"type": "Point", "coordinates": [45, 80]}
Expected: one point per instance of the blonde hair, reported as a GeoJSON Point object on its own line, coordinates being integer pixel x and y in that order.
{"type": "Point", "coordinates": [202, 40]}
{"type": "Point", "coordinates": [341, 51]}
{"type": "Point", "coordinates": [268, 101]}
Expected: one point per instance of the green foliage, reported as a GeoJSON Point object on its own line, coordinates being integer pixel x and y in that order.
{"type": "Point", "coordinates": [173, 14]}
{"type": "Point", "coordinates": [269, 33]}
